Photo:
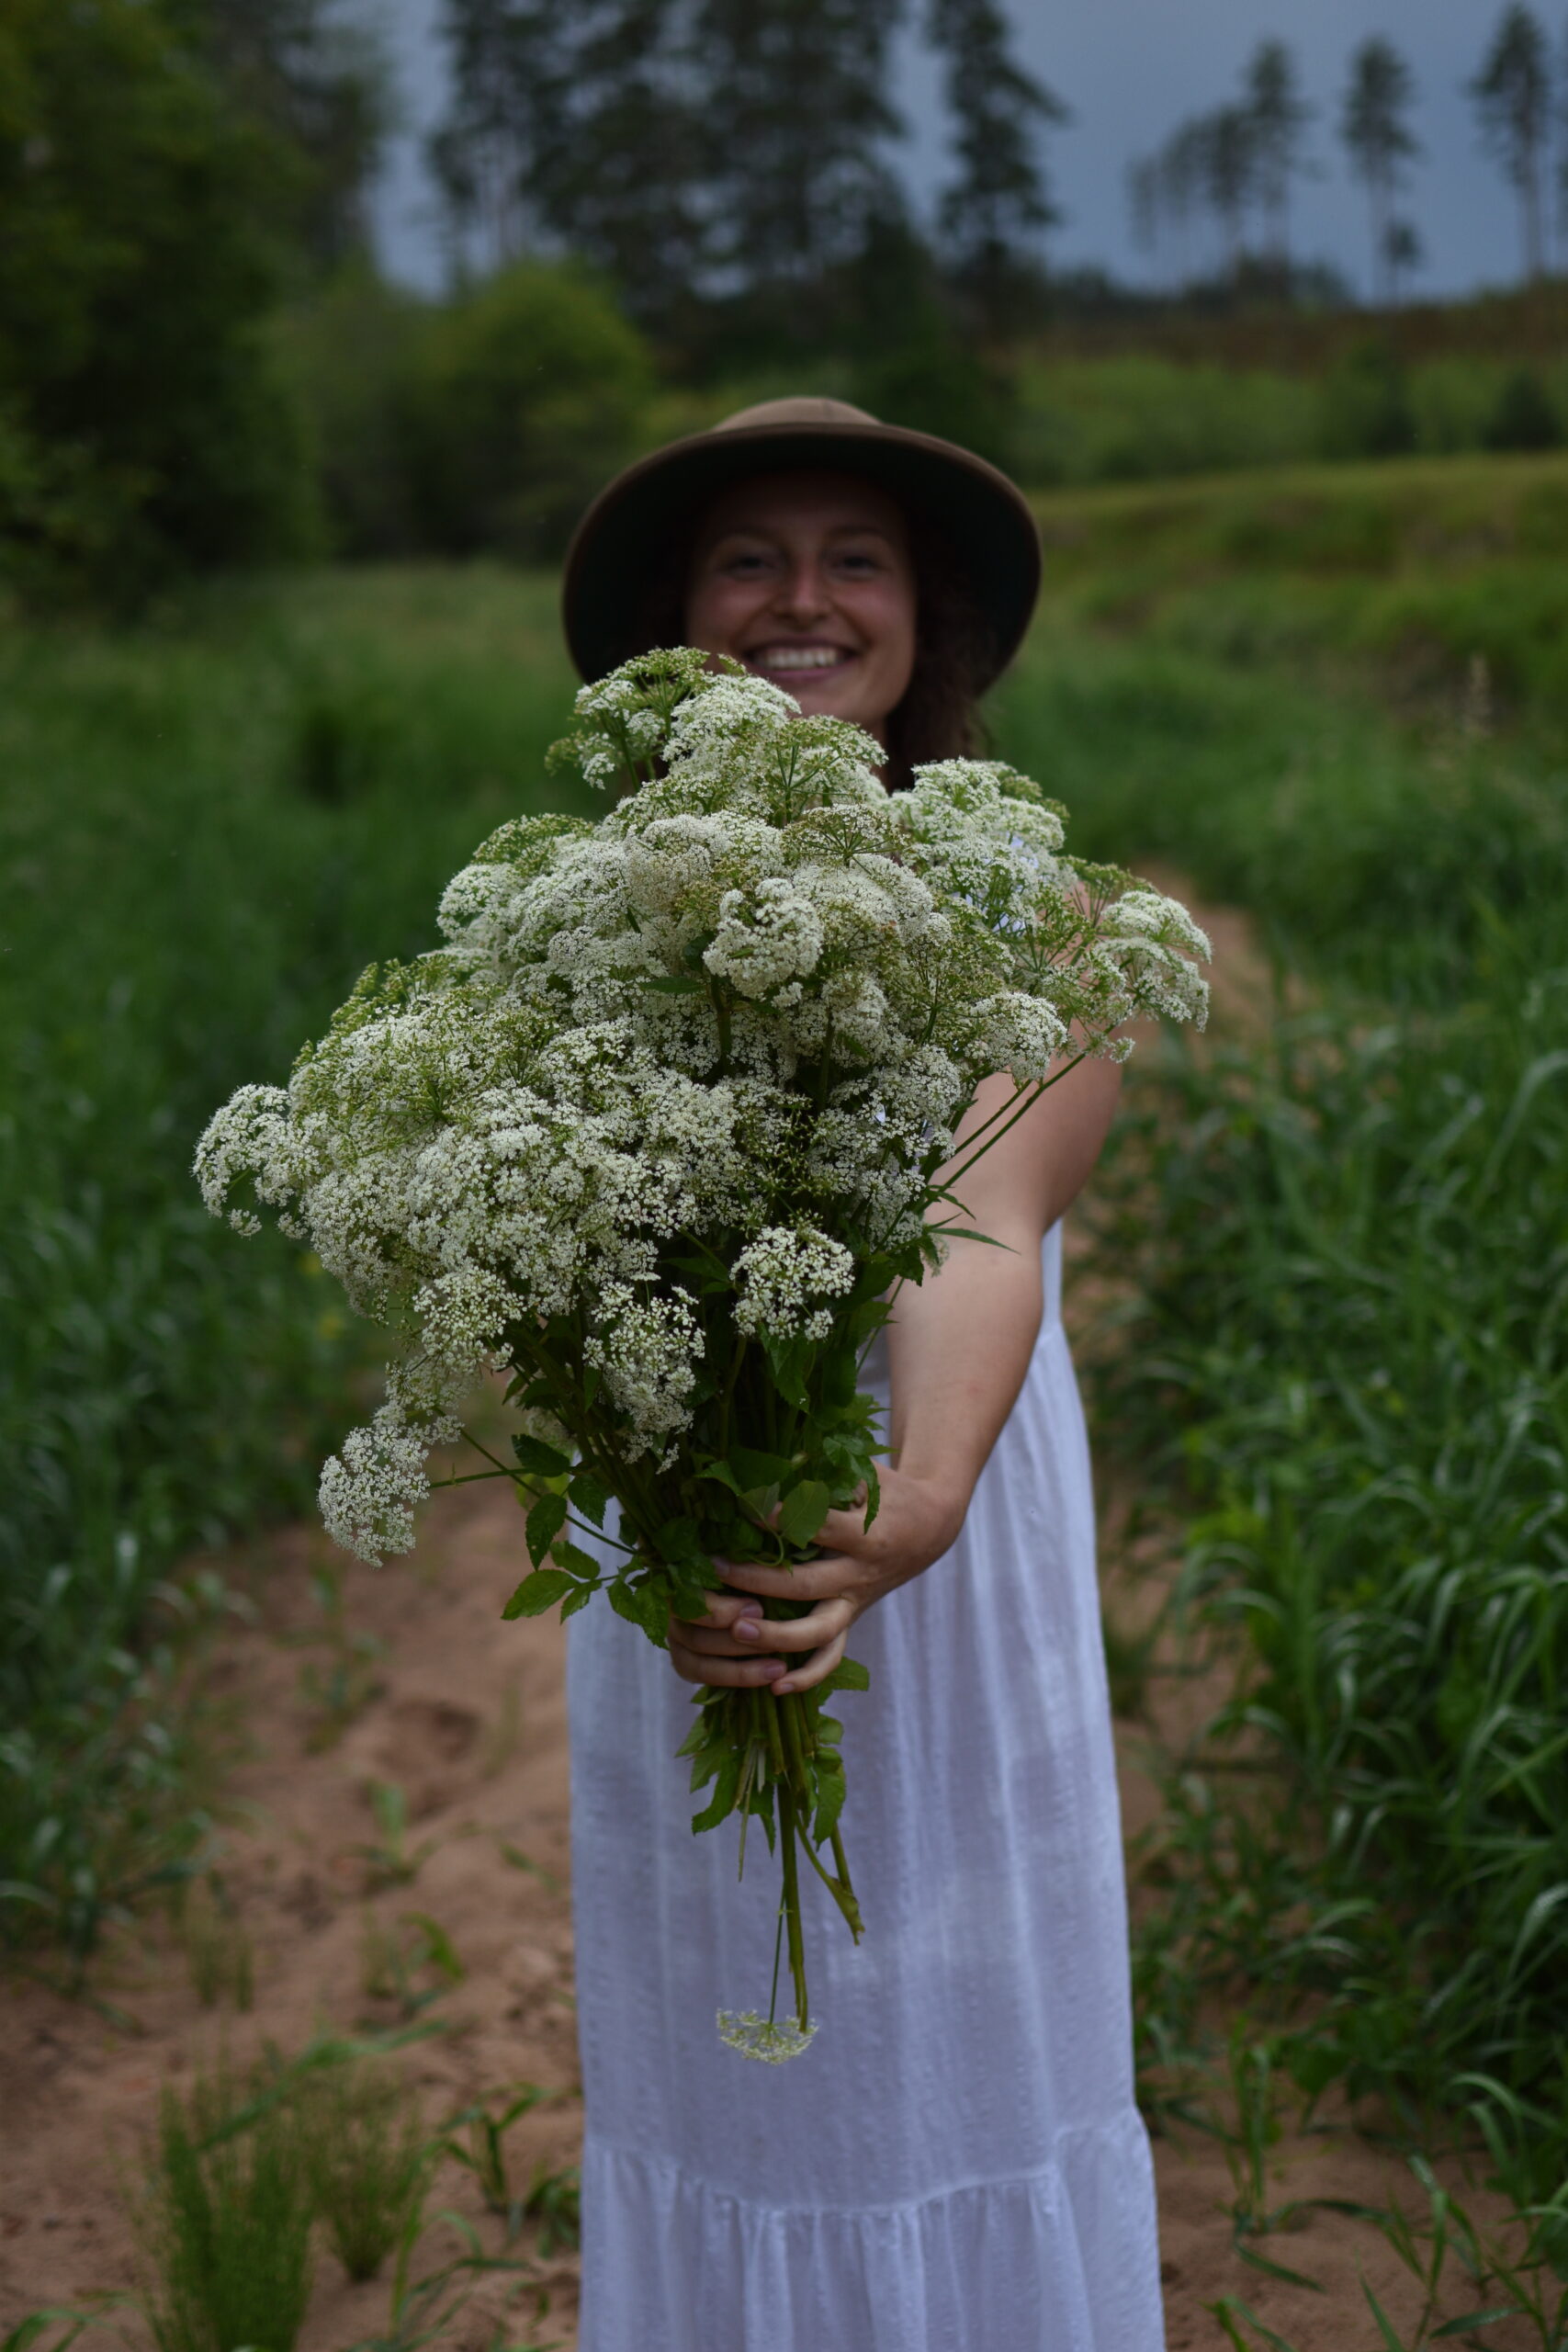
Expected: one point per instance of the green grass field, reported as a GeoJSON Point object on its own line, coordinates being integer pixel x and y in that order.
{"type": "Point", "coordinates": [1338, 697]}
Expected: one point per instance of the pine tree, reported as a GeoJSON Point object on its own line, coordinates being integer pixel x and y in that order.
{"type": "Point", "coordinates": [687, 147]}
{"type": "Point", "coordinates": [1512, 95]}
{"type": "Point", "coordinates": [511, 71]}
{"type": "Point", "coordinates": [996, 209]}
{"type": "Point", "coordinates": [1228, 167]}
{"type": "Point", "coordinates": [794, 116]}
{"type": "Point", "coordinates": [1278, 116]}
{"type": "Point", "coordinates": [1373, 128]}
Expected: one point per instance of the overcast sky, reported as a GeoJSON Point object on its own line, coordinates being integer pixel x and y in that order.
{"type": "Point", "coordinates": [1130, 70]}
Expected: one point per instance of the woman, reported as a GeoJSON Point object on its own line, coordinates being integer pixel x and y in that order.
{"type": "Point", "coordinates": [957, 2162]}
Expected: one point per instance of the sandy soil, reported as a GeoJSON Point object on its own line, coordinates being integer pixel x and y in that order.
{"type": "Point", "coordinates": [466, 1715]}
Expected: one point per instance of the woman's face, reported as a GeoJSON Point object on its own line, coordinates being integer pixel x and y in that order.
{"type": "Point", "coordinates": [808, 579]}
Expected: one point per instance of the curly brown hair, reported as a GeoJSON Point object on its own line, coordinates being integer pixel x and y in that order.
{"type": "Point", "coordinates": [938, 718]}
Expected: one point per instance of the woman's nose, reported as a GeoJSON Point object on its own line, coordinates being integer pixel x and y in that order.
{"type": "Point", "coordinates": [802, 597]}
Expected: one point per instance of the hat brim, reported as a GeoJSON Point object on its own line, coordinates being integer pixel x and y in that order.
{"type": "Point", "coordinates": [638, 523]}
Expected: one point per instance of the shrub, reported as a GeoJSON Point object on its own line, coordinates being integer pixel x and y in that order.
{"type": "Point", "coordinates": [1523, 416]}
{"type": "Point", "coordinates": [1365, 407]}
{"type": "Point", "coordinates": [524, 395]}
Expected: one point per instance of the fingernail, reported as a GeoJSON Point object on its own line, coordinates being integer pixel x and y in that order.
{"type": "Point", "coordinates": [781, 1689]}
{"type": "Point", "coordinates": [771, 1665]}
{"type": "Point", "coordinates": [750, 1609]}
{"type": "Point", "coordinates": [748, 1629]}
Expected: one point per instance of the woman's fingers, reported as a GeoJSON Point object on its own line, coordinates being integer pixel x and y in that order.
{"type": "Point", "coordinates": [820, 1579]}
{"type": "Point", "coordinates": [808, 1633]}
{"type": "Point", "coordinates": [808, 1672]}
{"type": "Point", "coordinates": [724, 1608]}
{"type": "Point", "coordinates": [732, 1673]}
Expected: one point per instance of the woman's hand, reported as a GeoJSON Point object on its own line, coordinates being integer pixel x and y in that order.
{"type": "Point", "coordinates": [734, 1648]}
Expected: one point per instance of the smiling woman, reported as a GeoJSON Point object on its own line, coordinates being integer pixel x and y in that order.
{"type": "Point", "coordinates": [808, 579]}
{"type": "Point", "coordinates": [959, 2161]}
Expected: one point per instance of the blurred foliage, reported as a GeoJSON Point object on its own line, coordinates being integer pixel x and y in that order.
{"type": "Point", "coordinates": [209, 826]}
{"type": "Point", "coordinates": [150, 428]}
{"type": "Point", "coordinates": [1331, 1244]}
{"type": "Point", "coordinates": [168, 169]}
{"type": "Point", "coordinates": [524, 396]}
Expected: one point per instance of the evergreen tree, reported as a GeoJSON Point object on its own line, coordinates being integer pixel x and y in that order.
{"type": "Point", "coordinates": [511, 65]}
{"type": "Point", "coordinates": [1512, 95]}
{"type": "Point", "coordinates": [999, 204]}
{"type": "Point", "coordinates": [1402, 254]}
{"type": "Point", "coordinates": [1228, 164]}
{"type": "Point", "coordinates": [795, 113]}
{"type": "Point", "coordinates": [1373, 128]}
{"type": "Point", "coordinates": [705, 147]}
{"type": "Point", "coordinates": [1278, 116]}
{"type": "Point", "coordinates": [576, 123]}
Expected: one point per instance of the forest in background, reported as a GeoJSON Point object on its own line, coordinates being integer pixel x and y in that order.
{"type": "Point", "coordinates": [656, 213]}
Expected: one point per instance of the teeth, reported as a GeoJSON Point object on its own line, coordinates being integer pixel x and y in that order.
{"type": "Point", "coordinates": [799, 657]}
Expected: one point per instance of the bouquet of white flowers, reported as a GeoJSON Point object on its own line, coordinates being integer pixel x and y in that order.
{"type": "Point", "coordinates": [660, 1129]}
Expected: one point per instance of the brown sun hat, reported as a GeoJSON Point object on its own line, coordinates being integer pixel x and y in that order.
{"type": "Point", "coordinates": [638, 519]}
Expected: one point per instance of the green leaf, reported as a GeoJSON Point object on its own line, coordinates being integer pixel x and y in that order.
{"type": "Point", "coordinates": [538, 1592]}
{"type": "Point", "coordinates": [545, 1523]}
{"type": "Point", "coordinates": [803, 1510]}
{"type": "Point", "coordinates": [575, 1601]}
{"type": "Point", "coordinates": [439, 1952]}
{"type": "Point", "coordinates": [1385, 2324]}
{"type": "Point", "coordinates": [830, 1788]}
{"type": "Point", "coordinates": [677, 984]}
{"type": "Point", "coordinates": [590, 1495]}
{"type": "Point", "coordinates": [575, 1561]}
{"type": "Point", "coordinates": [646, 1606]}
{"type": "Point", "coordinates": [1222, 2312]}
{"type": "Point", "coordinates": [680, 1543]}
{"type": "Point", "coordinates": [1277, 2270]}
{"type": "Point", "coordinates": [848, 1675]}
{"type": "Point", "coordinates": [753, 1470]}
{"type": "Point", "coordinates": [787, 1360]}
{"type": "Point", "coordinates": [540, 1461]}
{"type": "Point", "coordinates": [723, 1800]}
{"type": "Point", "coordinates": [1468, 2320]}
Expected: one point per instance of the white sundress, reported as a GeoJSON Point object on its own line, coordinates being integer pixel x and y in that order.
{"type": "Point", "coordinates": [956, 2163]}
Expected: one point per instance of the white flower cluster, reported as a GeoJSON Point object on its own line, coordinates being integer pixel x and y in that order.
{"type": "Point", "coordinates": [755, 2036]}
{"type": "Point", "coordinates": [783, 1278]}
{"type": "Point", "coordinates": [747, 1008]}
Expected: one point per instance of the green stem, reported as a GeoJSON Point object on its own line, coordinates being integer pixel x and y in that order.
{"type": "Point", "coordinates": [792, 1904]}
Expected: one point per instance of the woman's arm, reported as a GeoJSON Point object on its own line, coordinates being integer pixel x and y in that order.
{"type": "Point", "coordinates": [959, 1346]}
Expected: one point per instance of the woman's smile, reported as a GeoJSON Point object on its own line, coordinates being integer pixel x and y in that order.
{"type": "Point", "coordinates": [781, 658]}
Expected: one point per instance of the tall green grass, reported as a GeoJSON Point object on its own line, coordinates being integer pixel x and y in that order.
{"type": "Point", "coordinates": [1340, 1247]}
{"type": "Point", "coordinates": [208, 826]}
